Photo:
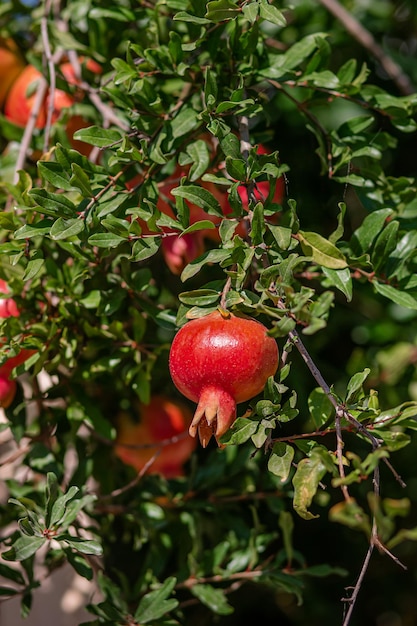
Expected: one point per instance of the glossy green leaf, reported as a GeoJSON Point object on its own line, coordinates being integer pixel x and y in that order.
{"type": "Point", "coordinates": [401, 298]}
{"type": "Point", "coordinates": [99, 137]}
{"type": "Point", "coordinates": [200, 197]}
{"type": "Point", "coordinates": [320, 407]}
{"type": "Point", "coordinates": [55, 174]}
{"type": "Point", "coordinates": [212, 256]}
{"type": "Point", "coordinates": [23, 548]}
{"type": "Point", "coordinates": [341, 279]}
{"type": "Point", "coordinates": [221, 10]}
{"type": "Point", "coordinates": [370, 228]}
{"type": "Point", "coordinates": [199, 297]}
{"type": "Point", "coordinates": [270, 13]}
{"type": "Point", "coordinates": [65, 229]}
{"type": "Point", "coordinates": [157, 603]}
{"type": "Point", "coordinates": [355, 386]}
{"type": "Point", "coordinates": [105, 240]}
{"type": "Point", "coordinates": [213, 598]}
{"type": "Point", "coordinates": [322, 251]}
{"type": "Point", "coordinates": [54, 204]}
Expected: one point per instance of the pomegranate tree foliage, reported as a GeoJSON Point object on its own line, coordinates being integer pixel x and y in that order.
{"type": "Point", "coordinates": [330, 271]}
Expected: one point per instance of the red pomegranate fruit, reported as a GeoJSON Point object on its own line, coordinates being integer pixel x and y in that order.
{"type": "Point", "coordinates": [8, 308]}
{"type": "Point", "coordinates": [219, 361]}
{"type": "Point", "coordinates": [160, 420]}
{"type": "Point", "coordinates": [7, 389]}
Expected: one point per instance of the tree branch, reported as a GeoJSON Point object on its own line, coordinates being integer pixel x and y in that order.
{"type": "Point", "coordinates": [366, 39]}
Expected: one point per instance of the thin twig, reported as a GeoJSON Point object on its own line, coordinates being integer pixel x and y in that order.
{"type": "Point", "coordinates": [52, 75]}
{"type": "Point", "coordinates": [367, 40]}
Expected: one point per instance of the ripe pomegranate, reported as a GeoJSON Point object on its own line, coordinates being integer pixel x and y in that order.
{"type": "Point", "coordinates": [11, 64]}
{"type": "Point", "coordinates": [19, 104]}
{"type": "Point", "coordinates": [219, 361]}
{"type": "Point", "coordinates": [8, 308]}
{"type": "Point", "coordinates": [22, 95]}
{"type": "Point", "coordinates": [7, 389]}
{"type": "Point", "coordinates": [160, 420]}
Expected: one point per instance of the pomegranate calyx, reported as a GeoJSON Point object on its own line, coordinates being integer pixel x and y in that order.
{"type": "Point", "coordinates": [215, 413]}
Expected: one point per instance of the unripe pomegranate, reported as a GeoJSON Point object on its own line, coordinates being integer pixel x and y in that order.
{"type": "Point", "coordinates": [219, 361]}
{"type": "Point", "coordinates": [160, 420]}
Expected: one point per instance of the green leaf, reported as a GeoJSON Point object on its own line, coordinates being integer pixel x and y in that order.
{"type": "Point", "coordinates": [33, 268]}
{"type": "Point", "coordinates": [52, 493]}
{"type": "Point", "coordinates": [370, 228]}
{"type": "Point", "coordinates": [201, 225]}
{"type": "Point", "coordinates": [100, 137]}
{"type": "Point", "coordinates": [221, 10]}
{"type": "Point", "coordinates": [200, 197]}
{"type": "Point", "coordinates": [400, 298]}
{"type": "Point", "coordinates": [270, 13]}
{"type": "Point", "coordinates": [258, 225]}
{"type": "Point", "coordinates": [320, 407]}
{"type": "Point", "coordinates": [199, 297]}
{"type": "Point", "coordinates": [54, 173]}
{"type": "Point", "coordinates": [86, 546]}
{"type": "Point", "coordinates": [282, 235]}
{"type": "Point", "coordinates": [54, 204]}
{"type": "Point", "coordinates": [236, 168]}
{"type": "Point", "coordinates": [145, 248]}
{"type": "Point", "coordinates": [242, 430]}
{"type": "Point", "coordinates": [59, 506]}
{"type": "Point", "coordinates": [11, 573]}
{"type": "Point", "coordinates": [213, 598]}
{"type": "Point", "coordinates": [392, 440]}
{"type": "Point", "coordinates": [183, 16]}
{"type": "Point", "coordinates": [80, 180]}
{"type": "Point", "coordinates": [212, 256]}
{"type": "Point", "coordinates": [28, 231]}
{"type": "Point", "coordinates": [184, 122]}
{"type": "Point", "coordinates": [280, 460]}
{"type": "Point", "coordinates": [306, 480]}
{"type": "Point", "coordinates": [341, 279]}
{"type": "Point", "coordinates": [155, 604]}
{"type": "Point", "coordinates": [80, 565]}
{"type": "Point", "coordinates": [355, 386]}
{"type": "Point", "coordinates": [105, 240]}
{"type": "Point", "coordinates": [199, 154]}
{"type": "Point", "coordinates": [350, 514]}
{"type": "Point", "coordinates": [64, 229]}
{"type": "Point", "coordinates": [322, 251]}
{"type": "Point", "coordinates": [24, 547]}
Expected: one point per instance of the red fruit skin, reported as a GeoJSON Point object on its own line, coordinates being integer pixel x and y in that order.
{"type": "Point", "coordinates": [220, 361]}
{"type": "Point", "coordinates": [11, 64]}
{"type": "Point", "coordinates": [8, 308]}
{"type": "Point", "coordinates": [7, 390]}
{"type": "Point", "coordinates": [18, 106]}
{"type": "Point", "coordinates": [161, 419]}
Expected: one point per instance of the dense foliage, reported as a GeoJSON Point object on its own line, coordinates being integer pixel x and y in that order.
{"type": "Point", "coordinates": [252, 156]}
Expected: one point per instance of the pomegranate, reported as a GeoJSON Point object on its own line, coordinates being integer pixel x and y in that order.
{"type": "Point", "coordinates": [8, 308]}
{"type": "Point", "coordinates": [160, 420]}
{"type": "Point", "coordinates": [11, 64]}
{"type": "Point", "coordinates": [219, 361]}
{"type": "Point", "coordinates": [19, 103]}
{"type": "Point", "coordinates": [7, 389]}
